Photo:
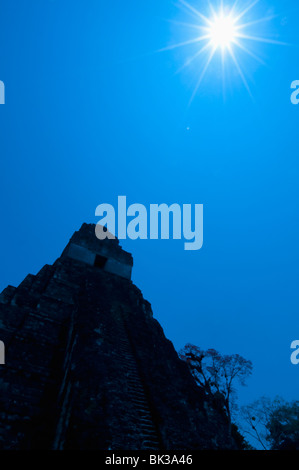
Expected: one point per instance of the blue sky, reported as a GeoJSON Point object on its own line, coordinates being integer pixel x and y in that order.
{"type": "Point", "coordinates": [93, 111]}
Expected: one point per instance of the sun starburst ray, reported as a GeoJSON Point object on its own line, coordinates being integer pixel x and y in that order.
{"type": "Point", "coordinates": [195, 56]}
{"type": "Point", "coordinates": [203, 73]}
{"type": "Point", "coordinates": [239, 70]}
{"type": "Point", "coordinates": [249, 52]}
{"type": "Point", "coordinates": [261, 39]}
{"type": "Point", "coordinates": [255, 22]}
{"type": "Point", "coordinates": [233, 8]}
{"type": "Point", "coordinates": [188, 25]}
{"type": "Point", "coordinates": [196, 12]}
{"type": "Point", "coordinates": [213, 11]}
{"type": "Point", "coordinates": [244, 12]}
{"type": "Point", "coordinates": [225, 29]}
{"type": "Point", "coordinates": [185, 43]}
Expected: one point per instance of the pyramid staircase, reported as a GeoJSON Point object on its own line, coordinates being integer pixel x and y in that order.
{"type": "Point", "coordinates": [136, 392]}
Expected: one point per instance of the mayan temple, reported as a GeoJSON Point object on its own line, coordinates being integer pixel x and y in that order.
{"type": "Point", "coordinates": [88, 367]}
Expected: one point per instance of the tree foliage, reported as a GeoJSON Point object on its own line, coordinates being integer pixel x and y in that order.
{"type": "Point", "coordinates": [217, 373]}
{"type": "Point", "coordinates": [273, 423]}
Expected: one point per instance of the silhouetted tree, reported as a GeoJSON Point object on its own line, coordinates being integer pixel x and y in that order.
{"type": "Point", "coordinates": [217, 373]}
{"type": "Point", "coordinates": [239, 439]}
{"type": "Point", "coordinates": [273, 423]}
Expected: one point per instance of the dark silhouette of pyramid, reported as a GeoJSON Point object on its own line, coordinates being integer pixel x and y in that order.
{"type": "Point", "coordinates": [87, 365]}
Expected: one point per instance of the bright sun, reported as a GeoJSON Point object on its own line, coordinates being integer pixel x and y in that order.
{"type": "Point", "coordinates": [225, 30]}
{"type": "Point", "coordinates": [222, 31]}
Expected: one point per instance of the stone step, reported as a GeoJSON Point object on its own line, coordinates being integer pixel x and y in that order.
{"type": "Point", "coordinates": [150, 440]}
{"type": "Point", "coordinates": [134, 396]}
{"type": "Point", "coordinates": [143, 409]}
{"type": "Point", "coordinates": [133, 378]}
{"type": "Point", "coordinates": [137, 395]}
{"type": "Point", "coordinates": [133, 374]}
{"type": "Point", "coordinates": [133, 393]}
{"type": "Point", "coordinates": [149, 434]}
{"type": "Point", "coordinates": [148, 425]}
{"type": "Point", "coordinates": [135, 389]}
{"type": "Point", "coordinates": [146, 419]}
{"type": "Point", "coordinates": [134, 382]}
{"type": "Point", "coordinates": [130, 366]}
{"type": "Point", "coordinates": [151, 444]}
{"type": "Point", "coordinates": [145, 413]}
{"type": "Point", "coordinates": [141, 400]}
{"type": "Point", "coordinates": [128, 357]}
{"type": "Point", "coordinates": [129, 363]}
{"type": "Point", "coordinates": [141, 406]}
